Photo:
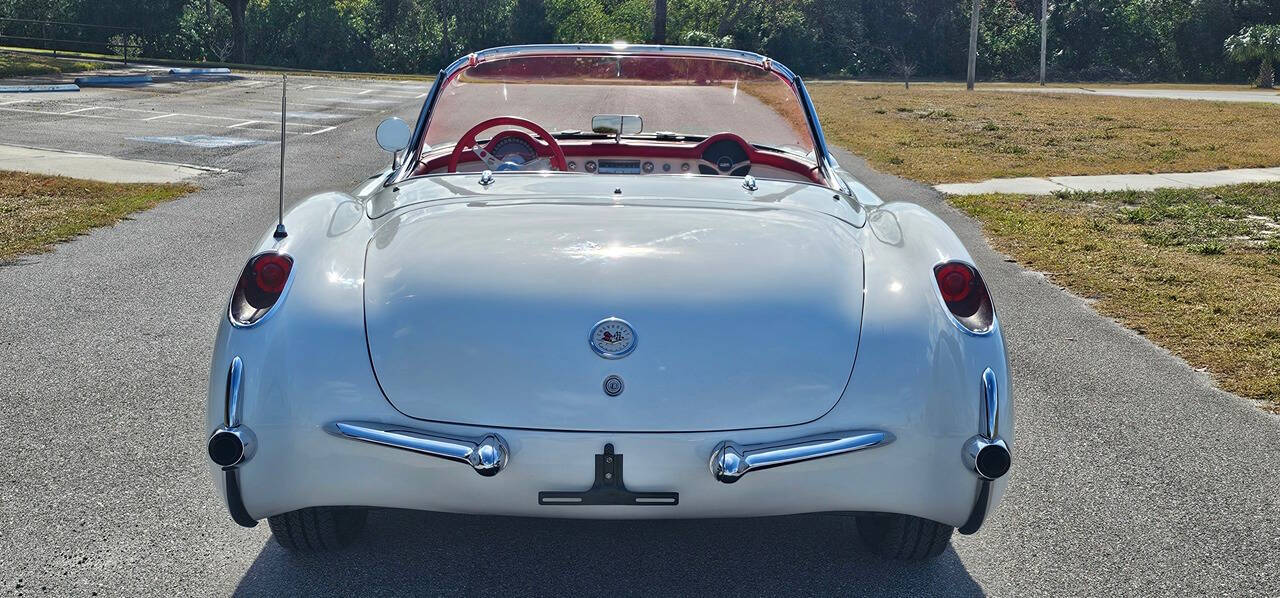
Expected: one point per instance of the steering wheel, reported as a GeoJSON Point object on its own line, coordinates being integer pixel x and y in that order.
{"type": "Point", "coordinates": [468, 141]}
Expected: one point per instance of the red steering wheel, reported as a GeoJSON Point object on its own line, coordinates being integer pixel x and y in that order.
{"type": "Point", "coordinates": [548, 142]}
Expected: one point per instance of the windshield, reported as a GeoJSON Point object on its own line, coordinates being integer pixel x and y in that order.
{"type": "Point", "coordinates": [688, 96]}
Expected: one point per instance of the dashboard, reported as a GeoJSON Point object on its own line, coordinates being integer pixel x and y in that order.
{"type": "Point", "coordinates": [723, 154]}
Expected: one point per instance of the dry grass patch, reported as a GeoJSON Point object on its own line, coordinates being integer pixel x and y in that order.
{"type": "Point", "coordinates": [941, 134]}
{"type": "Point", "coordinates": [17, 64]}
{"type": "Point", "coordinates": [1195, 270]}
{"type": "Point", "coordinates": [37, 211]}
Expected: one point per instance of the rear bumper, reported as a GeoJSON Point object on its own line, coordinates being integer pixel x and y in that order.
{"type": "Point", "coordinates": [296, 467]}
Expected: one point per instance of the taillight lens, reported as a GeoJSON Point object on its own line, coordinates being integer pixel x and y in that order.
{"type": "Point", "coordinates": [965, 295]}
{"type": "Point", "coordinates": [261, 283]}
{"type": "Point", "coordinates": [270, 271]}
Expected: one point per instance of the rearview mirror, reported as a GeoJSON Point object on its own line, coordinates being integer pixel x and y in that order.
{"type": "Point", "coordinates": [393, 134]}
{"type": "Point", "coordinates": [617, 124]}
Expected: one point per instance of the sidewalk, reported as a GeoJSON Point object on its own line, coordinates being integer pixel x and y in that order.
{"type": "Point", "coordinates": [1113, 182]}
{"type": "Point", "coordinates": [95, 167]}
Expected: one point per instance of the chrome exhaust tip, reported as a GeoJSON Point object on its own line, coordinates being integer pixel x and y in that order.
{"type": "Point", "coordinates": [231, 447]}
{"type": "Point", "coordinates": [988, 458]}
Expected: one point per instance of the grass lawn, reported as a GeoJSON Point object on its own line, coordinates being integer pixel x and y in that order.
{"type": "Point", "coordinates": [37, 210]}
{"type": "Point", "coordinates": [940, 133]}
{"type": "Point", "coordinates": [17, 64]}
{"type": "Point", "coordinates": [1195, 270]}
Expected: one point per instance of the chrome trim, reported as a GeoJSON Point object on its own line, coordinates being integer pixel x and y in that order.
{"type": "Point", "coordinates": [730, 461]}
{"type": "Point", "coordinates": [987, 439]}
{"type": "Point", "coordinates": [235, 392]}
{"type": "Point", "coordinates": [749, 183]}
{"type": "Point", "coordinates": [988, 436]}
{"type": "Point", "coordinates": [822, 156]}
{"type": "Point", "coordinates": [991, 410]}
{"type": "Point", "coordinates": [487, 456]}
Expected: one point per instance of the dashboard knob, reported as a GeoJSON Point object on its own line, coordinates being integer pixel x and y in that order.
{"type": "Point", "coordinates": [572, 165]}
{"type": "Point", "coordinates": [648, 167]}
{"type": "Point", "coordinates": [684, 167]}
{"type": "Point", "coordinates": [590, 166]}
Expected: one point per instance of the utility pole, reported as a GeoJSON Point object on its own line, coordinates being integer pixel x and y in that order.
{"type": "Point", "coordinates": [973, 43]}
{"type": "Point", "coordinates": [1044, 35]}
{"type": "Point", "coordinates": [659, 22]}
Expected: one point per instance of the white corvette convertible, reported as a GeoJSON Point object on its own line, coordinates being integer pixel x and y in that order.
{"type": "Point", "coordinates": [611, 282]}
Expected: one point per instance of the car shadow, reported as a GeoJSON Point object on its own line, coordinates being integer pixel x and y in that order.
{"type": "Point", "coordinates": [408, 552]}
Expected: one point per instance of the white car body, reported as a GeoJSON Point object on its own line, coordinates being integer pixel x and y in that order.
{"type": "Point", "coordinates": [792, 352]}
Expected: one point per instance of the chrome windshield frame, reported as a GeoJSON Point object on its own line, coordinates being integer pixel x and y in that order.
{"type": "Point", "coordinates": [822, 157]}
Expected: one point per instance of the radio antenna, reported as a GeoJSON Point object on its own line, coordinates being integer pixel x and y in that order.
{"type": "Point", "coordinates": [280, 232]}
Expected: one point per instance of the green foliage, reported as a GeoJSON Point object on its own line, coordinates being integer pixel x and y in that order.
{"type": "Point", "coordinates": [1259, 42]}
{"type": "Point", "coordinates": [1088, 39]}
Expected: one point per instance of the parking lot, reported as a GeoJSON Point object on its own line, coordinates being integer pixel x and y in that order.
{"type": "Point", "coordinates": [203, 121]}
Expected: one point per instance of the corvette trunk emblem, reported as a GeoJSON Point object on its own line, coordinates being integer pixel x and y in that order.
{"type": "Point", "coordinates": [612, 338]}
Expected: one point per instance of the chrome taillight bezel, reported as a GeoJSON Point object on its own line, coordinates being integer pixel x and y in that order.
{"type": "Point", "coordinates": [250, 305]}
{"type": "Point", "coordinates": [977, 314]}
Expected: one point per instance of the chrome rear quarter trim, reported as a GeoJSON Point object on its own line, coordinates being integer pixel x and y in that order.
{"type": "Point", "coordinates": [729, 461]}
{"type": "Point", "coordinates": [487, 456]}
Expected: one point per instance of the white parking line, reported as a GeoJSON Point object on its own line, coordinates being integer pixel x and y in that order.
{"type": "Point", "coordinates": [237, 125]}
{"type": "Point", "coordinates": [324, 130]}
{"type": "Point", "coordinates": [159, 117]}
{"type": "Point", "coordinates": [204, 125]}
{"type": "Point", "coordinates": [80, 110]}
{"type": "Point", "coordinates": [12, 102]}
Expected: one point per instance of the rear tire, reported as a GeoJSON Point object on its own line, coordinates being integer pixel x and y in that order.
{"type": "Point", "coordinates": [318, 529]}
{"type": "Point", "coordinates": [903, 537]}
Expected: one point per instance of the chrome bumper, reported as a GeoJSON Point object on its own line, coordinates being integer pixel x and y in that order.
{"type": "Point", "coordinates": [487, 456]}
{"type": "Point", "coordinates": [729, 461]}
{"type": "Point", "coordinates": [986, 454]}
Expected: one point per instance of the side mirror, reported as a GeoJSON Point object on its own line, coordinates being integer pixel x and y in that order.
{"type": "Point", "coordinates": [393, 135]}
{"type": "Point", "coordinates": [617, 124]}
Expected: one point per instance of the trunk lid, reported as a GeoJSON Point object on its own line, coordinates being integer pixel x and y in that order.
{"type": "Point", "coordinates": [744, 316]}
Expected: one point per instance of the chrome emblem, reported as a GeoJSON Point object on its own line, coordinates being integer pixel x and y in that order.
{"type": "Point", "coordinates": [613, 338]}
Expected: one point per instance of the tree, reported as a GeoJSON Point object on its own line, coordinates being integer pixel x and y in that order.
{"type": "Point", "coordinates": [1259, 42]}
{"type": "Point", "coordinates": [659, 21]}
{"type": "Point", "coordinates": [237, 9]}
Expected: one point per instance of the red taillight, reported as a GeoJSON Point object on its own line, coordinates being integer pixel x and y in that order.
{"type": "Point", "coordinates": [965, 295]}
{"type": "Point", "coordinates": [955, 280]}
{"type": "Point", "coordinates": [270, 272]}
{"type": "Point", "coordinates": [261, 284]}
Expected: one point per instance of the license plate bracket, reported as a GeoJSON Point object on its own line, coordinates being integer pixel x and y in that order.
{"type": "Point", "coordinates": [609, 488]}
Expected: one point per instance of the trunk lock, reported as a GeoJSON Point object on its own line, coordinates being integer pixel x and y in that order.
{"type": "Point", "coordinates": [613, 385]}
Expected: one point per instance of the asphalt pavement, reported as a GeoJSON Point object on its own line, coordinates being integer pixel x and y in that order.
{"type": "Point", "coordinates": [1133, 475]}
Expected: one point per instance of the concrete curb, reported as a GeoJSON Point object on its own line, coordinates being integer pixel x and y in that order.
{"type": "Point", "coordinates": [1114, 182]}
{"type": "Point", "coordinates": [106, 80]}
{"type": "Point", "coordinates": [38, 88]}
{"type": "Point", "coordinates": [96, 167]}
{"type": "Point", "coordinates": [195, 71]}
